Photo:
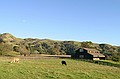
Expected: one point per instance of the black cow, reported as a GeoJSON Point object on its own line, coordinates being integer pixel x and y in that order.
{"type": "Point", "coordinates": [63, 62]}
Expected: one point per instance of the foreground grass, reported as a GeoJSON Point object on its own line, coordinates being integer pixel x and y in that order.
{"type": "Point", "coordinates": [52, 69]}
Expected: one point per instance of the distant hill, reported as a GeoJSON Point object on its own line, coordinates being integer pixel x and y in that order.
{"type": "Point", "coordinates": [9, 38]}
{"type": "Point", "coordinates": [46, 46]}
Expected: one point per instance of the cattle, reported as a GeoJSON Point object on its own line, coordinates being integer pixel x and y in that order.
{"type": "Point", "coordinates": [63, 62]}
{"type": "Point", "coordinates": [14, 60]}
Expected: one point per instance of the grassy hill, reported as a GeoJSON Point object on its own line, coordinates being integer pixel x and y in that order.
{"type": "Point", "coordinates": [52, 69]}
{"type": "Point", "coordinates": [28, 46]}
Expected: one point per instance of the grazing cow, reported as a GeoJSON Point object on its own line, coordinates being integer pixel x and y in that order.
{"type": "Point", "coordinates": [63, 62]}
{"type": "Point", "coordinates": [14, 60]}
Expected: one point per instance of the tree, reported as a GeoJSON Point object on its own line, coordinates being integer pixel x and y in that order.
{"type": "Point", "coordinates": [5, 48]}
{"type": "Point", "coordinates": [87, 44]}
{"type": "Point", "coordinates": [53, 51]}
{"type": "Point", "coordinates": [115, 57]}
{"type": "Point", "coordinates": [22, 49]}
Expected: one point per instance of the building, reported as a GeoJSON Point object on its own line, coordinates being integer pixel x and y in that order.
{"type": "Point", "coordinates": [87, 53]}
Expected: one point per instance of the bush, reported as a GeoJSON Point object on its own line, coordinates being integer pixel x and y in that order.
{"type": "Point", "coordinates": [116, 58]}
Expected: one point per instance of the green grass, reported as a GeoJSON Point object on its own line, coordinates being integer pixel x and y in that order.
{"type": "Point", "coordinates": [52, 69]}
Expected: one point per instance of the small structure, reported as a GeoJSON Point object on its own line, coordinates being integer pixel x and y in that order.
{"type": "Point", "coordinates": [87, 53]}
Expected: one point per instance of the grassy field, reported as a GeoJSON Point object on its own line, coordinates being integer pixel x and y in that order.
{"type": "Point", "coordinates": [52, 69]}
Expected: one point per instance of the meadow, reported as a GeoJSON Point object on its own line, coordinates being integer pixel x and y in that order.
{"type": "Point", "coordinates": [53, 69]}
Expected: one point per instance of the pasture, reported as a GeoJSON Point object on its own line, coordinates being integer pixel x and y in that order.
{"type": "Point", "coordinates": [53, 69]}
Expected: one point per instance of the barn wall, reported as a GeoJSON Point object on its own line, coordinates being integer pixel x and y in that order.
{"type": "Point", "coordinates": [84, 55]}
{"type": "Point", "coordinates": [96, 58]}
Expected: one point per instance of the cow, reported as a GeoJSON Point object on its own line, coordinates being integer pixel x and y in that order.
{"type": "Point", "coordinates": [14, 60]}
{"type": "Point", "coordinates": [63, 62]}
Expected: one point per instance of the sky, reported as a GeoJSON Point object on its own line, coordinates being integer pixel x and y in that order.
{"type": "Point", "coordinates": [66, 20]}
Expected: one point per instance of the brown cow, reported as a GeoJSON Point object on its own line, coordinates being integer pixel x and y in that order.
{"type": "Point", "coordinates": [14, 60]}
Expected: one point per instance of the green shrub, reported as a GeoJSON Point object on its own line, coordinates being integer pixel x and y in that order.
{"type": "Point", "coordinates": [116, 58]}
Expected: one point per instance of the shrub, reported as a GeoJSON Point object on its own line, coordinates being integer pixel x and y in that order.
{"type": "Point", "coordinates": [116, 58]}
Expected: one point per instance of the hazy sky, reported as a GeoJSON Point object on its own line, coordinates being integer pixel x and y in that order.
{"type": "Point", "coordinates": [79, 20]}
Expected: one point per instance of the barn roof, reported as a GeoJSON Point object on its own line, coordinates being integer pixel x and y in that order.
{"type": "Point", "coordinates": [90, 49]}
{"type": "Point", "coordinates": [95, 54]}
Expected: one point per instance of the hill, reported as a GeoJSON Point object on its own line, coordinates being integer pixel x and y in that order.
{"type": "Point", "coordinates": [29, 46]}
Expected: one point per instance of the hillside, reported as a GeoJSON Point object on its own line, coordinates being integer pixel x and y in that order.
{"type": "Point", "coordinates": [29, 46]}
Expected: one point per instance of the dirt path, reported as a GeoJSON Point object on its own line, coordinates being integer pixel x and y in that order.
{"type": "Point", "coordinates": [44, 56]}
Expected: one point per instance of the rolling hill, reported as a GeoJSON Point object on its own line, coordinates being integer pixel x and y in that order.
{"type": "Point", "coordinates": [46, 46]}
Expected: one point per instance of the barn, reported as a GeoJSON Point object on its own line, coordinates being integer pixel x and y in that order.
{"type": "Point", "coordinates": [88, 53]}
